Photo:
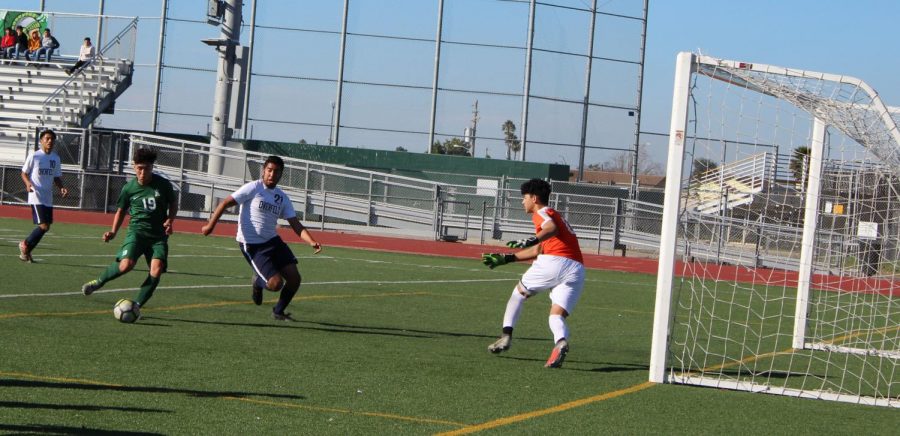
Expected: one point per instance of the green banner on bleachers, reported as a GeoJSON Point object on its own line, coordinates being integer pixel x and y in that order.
{"type": "Point", "coordinates": [28, 20]}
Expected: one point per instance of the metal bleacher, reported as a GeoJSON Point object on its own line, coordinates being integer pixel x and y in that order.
{"type": "Point", "coordinates": [730, 185]}
{"type": "Point", "coordinates": [37, 94]}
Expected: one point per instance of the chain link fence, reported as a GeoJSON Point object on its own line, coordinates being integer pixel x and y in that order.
{"type": "Point", "coordinates": [96, 165]}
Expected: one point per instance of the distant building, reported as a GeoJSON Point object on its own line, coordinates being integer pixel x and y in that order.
{"type": "Point", "coordinates": [616, 178]}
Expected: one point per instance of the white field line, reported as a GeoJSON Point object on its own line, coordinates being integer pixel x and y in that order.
{"type": "Point", "coordinates": [341, 282]}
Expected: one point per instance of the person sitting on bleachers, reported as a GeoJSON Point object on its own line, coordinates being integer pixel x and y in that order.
{"type": "Point", "coordinates": [21, 44]}
{"type": "Point", "coordinates": [84, 56]}
{"type": "Point", "coordinates": [48, 44]}
{"type": "Point", "coordinates": [34, 44]}
{"type": "Point", "coordinates": [8, 43]}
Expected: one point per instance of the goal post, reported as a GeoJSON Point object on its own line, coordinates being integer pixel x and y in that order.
{"type": "Point", "coordinates": [779, 259]}
{"type": "Point", "coordinates": [667, 239]}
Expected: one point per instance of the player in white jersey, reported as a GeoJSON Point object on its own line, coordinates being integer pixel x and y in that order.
{"type": "Point", "coordinates": [42, 170]}
{"type": "Point", "coordinates": [274, 265]}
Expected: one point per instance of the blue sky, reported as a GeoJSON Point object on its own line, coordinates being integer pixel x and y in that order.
{"type": "Point", "coordinates": [829, 36]}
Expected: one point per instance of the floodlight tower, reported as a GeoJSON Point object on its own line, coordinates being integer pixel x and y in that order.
{"type": "Point", "coordinates": [230, 12]}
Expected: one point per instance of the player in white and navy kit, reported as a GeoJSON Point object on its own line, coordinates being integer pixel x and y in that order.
{"type": "Point", "coordinates": [274, 265]}
{"type": "Point", "coordinates": [42, 170]}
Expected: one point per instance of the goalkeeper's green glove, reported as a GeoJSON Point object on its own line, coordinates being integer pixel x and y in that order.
{"type": "Point", "coordinates": [493, 260]}
{"type": "Point", "coordinates": [523, 243]}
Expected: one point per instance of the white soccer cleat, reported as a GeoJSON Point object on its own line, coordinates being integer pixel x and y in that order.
{"type": "Point", "coordinates": [500, 345]}
{"type": "Point", "coordinates": [24, 256]}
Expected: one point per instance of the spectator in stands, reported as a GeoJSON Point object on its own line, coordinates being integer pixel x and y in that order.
{"type": "Point", "coordinates": [84, 56]}
{"type": "Point", "coordinates": [48, 44]}
{"type": "Point", "coordinates": [34, 44]}
{"type": "Point", "coordinates": [21, 43]}
{"type": "Point", "coordinates": [8, 43]}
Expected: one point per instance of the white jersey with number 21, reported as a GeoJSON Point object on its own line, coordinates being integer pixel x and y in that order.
{"type": "Point", "coordinates": [261, 208]}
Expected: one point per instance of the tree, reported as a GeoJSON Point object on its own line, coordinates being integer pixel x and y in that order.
{"type": "Point", "coordinates": [456, 146]}
{"type": "Point", "coordinates": [702, 166]}
{"type": "Point", "coordinates": [302, 141]}
{"type": "Point", "coordinates": [799, 164]}
{"type": "Point", "coordinates": [452, 146]}
{"type": "Point", "coordinates": [400, 148]}
{"type": "Point", "coordinates": [513, 144]}
{"type": "Point", "coordinates": [623, 162]}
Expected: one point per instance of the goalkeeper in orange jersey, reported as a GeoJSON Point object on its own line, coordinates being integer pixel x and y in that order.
{"type": "Point", "coordinates": [558, 268]}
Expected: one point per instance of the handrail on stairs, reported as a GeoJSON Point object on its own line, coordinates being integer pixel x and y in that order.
{"type": "Point", "coordinates": [81, 73]}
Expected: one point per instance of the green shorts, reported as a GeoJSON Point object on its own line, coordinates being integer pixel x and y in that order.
{"type": "Point", "coordinates": [152, 248]}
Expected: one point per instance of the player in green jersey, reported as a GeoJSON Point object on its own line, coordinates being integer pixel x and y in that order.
{"type": "Point", "coordinates": [151, 202]}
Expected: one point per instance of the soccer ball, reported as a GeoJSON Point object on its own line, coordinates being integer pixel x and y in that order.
{"type": "Point", "coordinates": [126, 311]}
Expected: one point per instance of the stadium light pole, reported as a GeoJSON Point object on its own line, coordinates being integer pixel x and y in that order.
{"type": "Point", "coordinates": [587, 93]}
{"type": "Point", "coordinates": [225, 45]}
{"type": "Point", "coordinates": [100, 23]}
{"type": "Point", "coordinates": [526, 93]}
{"type": "Point", "coordinates": [154, 121]}
{"type": "Point", "coordinates": [249, 65]}
{"type": "Point", "coordinates": [633, 194]}
{"type": "Point", "coordinates": [435, 78]}
{"type": "Point", "coordinates": [339, 98]}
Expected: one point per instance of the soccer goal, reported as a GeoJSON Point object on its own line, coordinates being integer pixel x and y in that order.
{"type": "Point", "coordinates": [780, 243]}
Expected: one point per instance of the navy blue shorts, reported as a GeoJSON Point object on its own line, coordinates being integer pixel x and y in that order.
{"type": "Point", "coordinates": [41, 214]}
{"type": "Point", "coordinates": [268, 258]}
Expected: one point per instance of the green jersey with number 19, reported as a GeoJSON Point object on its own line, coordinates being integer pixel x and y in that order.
{"type": "Point", "coordinates": [148, 206]}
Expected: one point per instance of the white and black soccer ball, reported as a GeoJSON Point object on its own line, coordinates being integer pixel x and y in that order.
{"type": "Point", "coordinates": [127, 311]}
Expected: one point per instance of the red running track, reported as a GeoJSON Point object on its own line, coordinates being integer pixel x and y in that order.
{"type": "Point", "coordinates": [707, 271]}
{"type": "Point", "coordinates": [344, 239]}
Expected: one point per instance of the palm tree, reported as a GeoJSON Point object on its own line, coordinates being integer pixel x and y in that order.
{"type": "Point", "coordinates": [512, 141]}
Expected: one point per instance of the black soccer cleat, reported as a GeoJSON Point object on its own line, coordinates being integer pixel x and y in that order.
{"type": "Point", "coordinates": [282, 316]}
{"type": "Point", "coordinates": [257, 294]}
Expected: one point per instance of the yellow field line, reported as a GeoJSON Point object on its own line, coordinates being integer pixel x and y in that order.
{"type": "Point", "coordinates": [330, 409]}
{"type": "Point", "coordinates": [577, 403]}
{"type": "Point", "coordinates": [851, 335]}
{"type": "Point", "coordinates": [56, 379]}
{"type": "Point", "coordinates": [208, 305]}
{"type": "Point", "coordinates": [23, 375]}
{"type": "Point", "coordinates": [555, 409]}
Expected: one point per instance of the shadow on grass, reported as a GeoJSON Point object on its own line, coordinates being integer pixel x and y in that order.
{"type": "Point", "coordinates": [428, 332]}
{"type": "Point", "coordinates": [746, 373]}
{"type": "Point", "coordinates": [139, 267]}
{"type": "Point", "coordinates": [608, 367]}
{"type": "Point", "coordinates": [345, 328]}
{"type": "Point", "coordinates": [147, 389]}
{"type": "Point", "coordinates": [59, 429]}
{"type": "Point", "coordinates": [82, 407]}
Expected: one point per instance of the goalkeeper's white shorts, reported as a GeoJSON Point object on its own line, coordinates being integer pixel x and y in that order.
{"type": "Point", "coordinates": [563, 277]}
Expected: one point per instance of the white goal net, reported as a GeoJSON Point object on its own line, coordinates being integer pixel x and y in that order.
{"type": "Point", "coordinates": [780, 245]}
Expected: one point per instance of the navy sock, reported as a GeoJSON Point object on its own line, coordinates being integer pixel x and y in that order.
{"type": "Point", "coordinates": [34, 238]}
{"type": "Point", "coordinates": [284, 299]}
{"type": "Point", "coordinates": [259, 282]}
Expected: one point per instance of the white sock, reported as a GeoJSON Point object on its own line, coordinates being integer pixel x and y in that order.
{"type": "Point", "coordinates": [513, 308]}
{"type": "Point", "coordinates": [558, 327]}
